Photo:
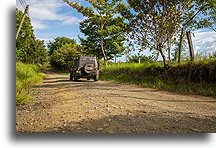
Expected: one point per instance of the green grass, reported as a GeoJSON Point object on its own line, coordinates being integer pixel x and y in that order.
{"type": "Point", "coordinates": [196, 77]}
{"type": "Point", "coordinates": [26, 76]}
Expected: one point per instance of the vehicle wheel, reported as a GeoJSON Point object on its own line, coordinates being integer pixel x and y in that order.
{"type": "Point", "coordinates": [88, 78]}
{"type": "Point", "coordinates": [96, 78]}
{"type": "Point", "coordinates": [75, 78]}
{"type": "Point", "coordinates": [71, 77]}
{"type": "Point", "coordinates": [88, 68]}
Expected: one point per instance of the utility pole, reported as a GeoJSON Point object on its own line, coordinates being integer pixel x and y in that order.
{"type": "Point", "coordinates": [190, 45]}
{"type": "Point", "coordinates": [20, 26]}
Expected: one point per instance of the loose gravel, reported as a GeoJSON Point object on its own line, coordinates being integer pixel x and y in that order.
{"type": "Point", "coordinates": [63, 106]}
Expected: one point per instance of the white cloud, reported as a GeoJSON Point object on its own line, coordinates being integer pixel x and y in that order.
{"type": "Point", "coordinates": [38, 24]}
{"type": "Point", "coordinates": [204, 41]}
{"type": "Point", "coordinates": [70, 20]}
{"type": "Point", "coordinates": [46, 41]}
{"type": "Point", "coordinates": [48, 10]}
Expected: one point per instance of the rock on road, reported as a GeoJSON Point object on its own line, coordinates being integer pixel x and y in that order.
{"type": "Point", "coordinates": [60, 105]}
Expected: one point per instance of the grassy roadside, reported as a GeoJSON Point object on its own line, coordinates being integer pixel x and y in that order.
{"type": "Point", "coordinates": [26, 76]}
{"type": "Point", "coordinates": [197, 77]}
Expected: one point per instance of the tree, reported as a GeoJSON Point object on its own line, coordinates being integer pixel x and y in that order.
{"type": "Point", "coordinates": [210, 8]}
{"type": "Point", "coordinates": [28, 48]}
{"type": "Point", "coordinates": [113, 43]}
{"type": "Point", "coordinates": [58, 43]}
{"type": "Point", "coordinates": [64, 57]}
{"type": "Point", "coordinates": [40, 53]}
{"type": "Point", "coordinates": [154, 24]}
{"type": "Point", "coordinates": [175, 49]}
{"type": "Point", "coordinates": [25, 39]}
{"type": "Point", "coordinates": [140, 58]}
{"type": "Point", "coordinates": [104, 30]}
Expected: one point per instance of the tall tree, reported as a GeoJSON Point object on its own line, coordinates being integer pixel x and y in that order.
{"type": "Point", "coordinates": [63, 57]}
{"type": "Point", "coordinates": [28, 48]}
{"type": "Point", "coordinates": [155, 23]}
{"type": "Point", "coordinates": [58, 43]}
{"type": "Point", "coordinates": [40, 52]}
{"type": "Point", "coordinates": [210, 11]}
{"type": "Point", "coordinates": [103, 28]}
{"type": "Point", "coordinates": [113, 44]}
{"type": "Point", "coordinates": [25, 39]}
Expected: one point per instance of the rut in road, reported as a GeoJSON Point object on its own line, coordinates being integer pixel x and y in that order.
{"type": "Point", "coordinates": [60, 105]}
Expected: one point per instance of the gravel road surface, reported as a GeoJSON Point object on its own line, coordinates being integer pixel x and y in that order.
{"type": "Point", "coordinates": [60, 105]}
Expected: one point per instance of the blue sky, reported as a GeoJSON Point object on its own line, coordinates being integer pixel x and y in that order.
{"type": "Point", "coordinates": [54, 18]}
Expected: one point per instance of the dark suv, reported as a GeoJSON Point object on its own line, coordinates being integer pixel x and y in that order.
{"type": "Point", "coordinates": [85, 67]}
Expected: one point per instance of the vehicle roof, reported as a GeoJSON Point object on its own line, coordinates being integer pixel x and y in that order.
{"type": "Point", "coordinates": [82, 57]}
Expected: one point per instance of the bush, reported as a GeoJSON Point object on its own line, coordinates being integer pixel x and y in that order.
{"type": "Point", "coordinates": [64, 57]}
{"type": "Point", "coordinates": [197, 77]}
{"type": "Point", "coordinates": [26, 76]}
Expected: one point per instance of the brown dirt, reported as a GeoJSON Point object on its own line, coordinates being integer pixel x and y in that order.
{"type": "Point", "coordinates": [60, 105]}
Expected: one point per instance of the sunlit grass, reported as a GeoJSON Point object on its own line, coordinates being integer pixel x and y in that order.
{"type": "Point", "coordinates": [26, 76]}
{"type": "Point", "coordinates": [193, 77]}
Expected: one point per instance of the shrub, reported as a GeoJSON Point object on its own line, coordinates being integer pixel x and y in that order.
{"type": "Point", "coordinates": [64, 57]}
{"type": "Point", "coordinates": [197, 77]}
{"type": "Point", "coordinates": [26, 76]}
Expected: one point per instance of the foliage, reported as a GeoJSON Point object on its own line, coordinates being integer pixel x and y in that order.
{"type": "Point", "coordinates": [206, 17]}
{"type": "Point", "coordinates": [103, 28]}
{"type": "Point", "coordinates": [175, 48]}
{"type": "Point", "coordinates": [26, 76]}
{"type": "Point", "coordinates": [208, 11]}
{"type": "Point", "coordinates": [140, 58]}
{"type": "Point", "coordinates": [25, 37]}
{"type": "Point", "coordinates": [113, 41]}
{"type": "Point", "coordinates": [62, 52]}
{"type": "Point", "coordinates": [58, 43]}
{"type": "Point", "coordinates": [155, 24]}
{"type": "Point", "coordinates": [39, 53]}
{"type": "Point", "coordinates": [197, 77]}
{"type": "Point", "coordinates": [28, 49]}
{"type": "Point", "coordinates": [64, 57]}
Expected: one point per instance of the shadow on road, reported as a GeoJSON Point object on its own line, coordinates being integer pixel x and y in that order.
{"type": "Point", "coordinates": [139, 123]}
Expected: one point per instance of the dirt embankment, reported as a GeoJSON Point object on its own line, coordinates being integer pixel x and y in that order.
{"type": "Point", "coordinates": [85, 106]}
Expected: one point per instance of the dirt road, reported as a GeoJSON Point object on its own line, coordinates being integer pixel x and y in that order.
{"type": "Point", "coordinates": [85, 106]}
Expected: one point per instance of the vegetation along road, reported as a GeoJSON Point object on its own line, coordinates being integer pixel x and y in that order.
{"type": "Point", "coordinates": [60, 105]}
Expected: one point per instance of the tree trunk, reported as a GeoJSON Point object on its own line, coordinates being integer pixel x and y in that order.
{"type": "Point", "coordinates": [190, 45]}
{"type": "Point", "coordinates": [156, 57]}
{"type": "Point", "coordinates": [175, 55]}
{"type": "Point", "coordinates": [102, 47]}
{"type": "Point", "coordinates": [98, 62]}
{"type": "Point", "coordinates": [164, 58]}
{"type": "Point", "coordinates": [180, 46]}
{"type": "Point", "coordinates": [169, 44]}
{"type": "Point", "coordinates": [104, 55]}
